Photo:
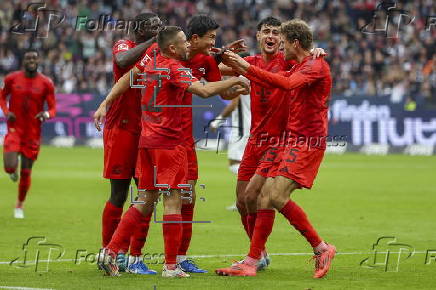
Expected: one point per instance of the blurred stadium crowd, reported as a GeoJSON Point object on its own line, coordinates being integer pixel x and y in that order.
{"type": "Point", "coordinates": [362, 63]}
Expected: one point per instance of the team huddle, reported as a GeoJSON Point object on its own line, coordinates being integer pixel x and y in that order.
{"type": "Point", "coordinates": [148, 136]}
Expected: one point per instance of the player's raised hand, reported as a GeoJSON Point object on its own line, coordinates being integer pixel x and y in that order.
{"type": "Point", "coordinates": [100, 115]}
{"type": "Point", "coordinates": [11, 117]}
{"type": "Point", "coordinates": [237, 46]}
{"type": "Point", "coordinates": [42, 116]}
{"type": "Point", "coordinates": [236, 62]}
{"type": "Point", "coordinates": [318, 52]}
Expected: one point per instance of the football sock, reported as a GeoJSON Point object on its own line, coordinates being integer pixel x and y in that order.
{"type": "Point", "coordinates": [298, 219]}
{"type": "Point", "coordinates": [24, 185]}
{"type": "Point", "coordinates": [187, 215]}
{"type": "Point", "coordinates": [110, 219]}
{"type": "Point", "coordinates": [172, 234]}
{"type": "Point", "coordinates": [125, 229]}
{"type": "Point", "coordinates": [245, 224]}
{"type": "Point", "coordinates": [251, 221]}
{"type": "Point", "coordinates": [139, 236]}
{"type": "Point", "coordinates": [262, 230]}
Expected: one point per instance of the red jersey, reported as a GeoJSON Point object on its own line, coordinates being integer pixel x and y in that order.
{"type": "Point", "coordinates": [125, 111]}
{"type": "Point", "coordinates": [202, 66]}
{"type": "Point", "coordinates": [27, 98]}
{"type": "Point", "coordinates": [269, 107]}
{"type": "Point", "coordinates": [307, 86]}
{"type": "Point", "coordinates": [162, 126]}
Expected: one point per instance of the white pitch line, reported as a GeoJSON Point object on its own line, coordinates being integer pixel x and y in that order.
{"type": "Point", "coordinates": [237, 255]}
{"type": "Point", "coordinates": [23, 288]}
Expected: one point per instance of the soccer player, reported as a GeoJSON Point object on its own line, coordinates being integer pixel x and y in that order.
{"type": "Point", "coordinates": [28, 90]}
{"type": "Point", "coordinates": [121, 136]}
{"type": "Point", "coordinates": [162, 157]}
{"type": "Point", "coordinates": [307, 86]}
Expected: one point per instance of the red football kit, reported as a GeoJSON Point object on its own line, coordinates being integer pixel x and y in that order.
{"type": "Point", "coordinates": [202, 66]}
{"type": "Point", "coordinates": [161, 143]}
{"type": "Point", "coordinates": [27, 98]}
{"type": "Point", "coordinates": [122, 125]}
{"type": "Point", "coordinates": [269, 112]}
{"type": "Point", "coordinates": [307, 85]}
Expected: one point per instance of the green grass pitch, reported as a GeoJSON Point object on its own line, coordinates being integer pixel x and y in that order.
{"type": "Point", "coordinates": [356, 200]}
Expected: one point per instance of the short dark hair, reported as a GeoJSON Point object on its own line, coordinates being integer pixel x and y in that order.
{"type": "Point", "coordinates": [299, 30]}
{"type": "Point", "coordinates": [145, 16]}
{"type": "Point", "coordinates": [166, 36]}
{"type": "Point", "coordinates": [270, 20]}
{"type": "Point", "coordinates": [200, 25]}
{"type": "Point", "coordinates": [28, 50]}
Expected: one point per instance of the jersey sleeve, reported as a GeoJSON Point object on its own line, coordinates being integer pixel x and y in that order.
{"type": "Point", "coordinates": [4, 94]}
{"type": "Point", "coordinates": [121, 45]}
{"type": "Point", "coordinates": [250, 59]}
{"type": "Point", "coordinates": [213, 73]}
{"type": "Point", "coordinates": [181, 77]}
{"type": "Point", "coordinates": [308, 73]}
{"type": "Point", "coordinates": [50, 98]}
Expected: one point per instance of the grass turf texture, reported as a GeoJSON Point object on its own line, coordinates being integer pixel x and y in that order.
{"type": "Point", "coordinates": [356, 200]}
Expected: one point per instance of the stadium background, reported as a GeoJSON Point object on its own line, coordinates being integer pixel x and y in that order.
{"type": "Point", "coordinates": [384, 88]}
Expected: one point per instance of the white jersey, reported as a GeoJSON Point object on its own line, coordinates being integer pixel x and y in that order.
{"type": "Point", "coordinates": [240, 132]}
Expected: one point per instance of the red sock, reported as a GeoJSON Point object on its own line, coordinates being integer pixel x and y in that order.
{"type": "Point", "coordinates": [244, 222]}
{"type": "Point", "coordinates": [251, 221]}
{"type": "Point", "coordinates": [262, 230]}
{"type": "Point", "coordinates": [125, 229]}
{"type": "Point", "coordinates": [24, 185]}
{"type": "Point", "coordinates": [172, 233]}
{"type": "Point", "coordinates": [187, 215]}
{"type": "Point", "coordinates": [298, 219]}
{"type": "Point", "coordinates": [140, 236]}
{"type": "Point", "coordinates": [109, 221]}
{"type": "Point", "coordinates": [9, 170]}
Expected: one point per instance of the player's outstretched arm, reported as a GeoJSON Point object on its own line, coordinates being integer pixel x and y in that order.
{"type": "Point", "coordinates": [129, 57]}
{"type": "Point", "coordinates": [215, 88]}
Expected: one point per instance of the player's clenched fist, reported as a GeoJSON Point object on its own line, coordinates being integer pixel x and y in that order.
{"type": "Point", "coordinates": [99, 115]}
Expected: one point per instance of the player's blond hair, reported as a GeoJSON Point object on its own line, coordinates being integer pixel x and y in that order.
{"type": "Point", "coordinates": [298, 29]}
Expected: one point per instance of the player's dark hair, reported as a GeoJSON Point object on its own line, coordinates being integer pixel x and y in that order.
{"type": "Point", "coordinates": [298, 29]}
{"type": "Point", "coordinates": [167, 35]}
{"type": "Point", "coordinates": [145, 16]}
{"type": "Point", "coordinates": [271, 21]}
{"type": "Point", "coordinates": [30, 50]}
{"type": "Point", "coordinates": [200, 25]}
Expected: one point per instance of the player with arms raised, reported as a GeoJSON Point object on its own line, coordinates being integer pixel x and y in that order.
{"type": "Point", "coordinates": [28, 90]}
{"type": "Point", "coordinates": [307, 86]}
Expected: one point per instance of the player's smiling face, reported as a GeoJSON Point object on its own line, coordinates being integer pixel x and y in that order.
{"type": "Point", "coordinates": [204, 43]}
{"type": "Point", "coordinates": [290, 49]}
{"type": "Point", "coordinates": [150, 28]}
{"type": "Point", "coordinates": [269, 38]}
{"type": "Point", "coordinates": [30, 61]}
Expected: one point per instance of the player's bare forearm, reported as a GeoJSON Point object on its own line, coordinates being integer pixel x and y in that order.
{"type": "Point", "coordinates": [226, 70]}
{"type": "Point", "coordinates": [121, 86]}
{"type": "Point", "coordinates": [129, 57]}
{"type": "Point", "coordinates": [215, 88]}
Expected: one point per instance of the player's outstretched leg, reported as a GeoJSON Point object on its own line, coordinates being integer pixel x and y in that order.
{"type": "Point", "coordinates": [187, 211]}
{"type": "Point", "coordinates": [324, 253]}
{"type": "Point", "coordinates": [172, 234]}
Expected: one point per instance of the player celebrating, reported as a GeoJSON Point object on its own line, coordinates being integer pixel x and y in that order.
{"type": "Point", "coordinates": [121, 137]}
{"type": "Point", "coordinates": [28, 90]}
{"type": "Point", "coordinates": [307, 86]}
{"type": "Point", "coordinates": [162, 157]}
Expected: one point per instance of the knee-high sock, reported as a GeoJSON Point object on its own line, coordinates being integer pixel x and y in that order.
{"type": "Point", "coordinates": [298, 219]}
{"type": "Point", "coordinates": [262, 230]}
{"type": "Point", "coordinates": [125, 229]}
{"type": "Point", "coordinates": [139, 236]}
{"type": "Point", "coordinates": [25, 181]}
{"type": "Point", "coordinates": [172, 233]}
{"type": "Point", "coordinates": [110, 219]}
{"type": "Point", "coordinates": [251, 221]}
{"type": "Point", "coordinates": [187, 215]}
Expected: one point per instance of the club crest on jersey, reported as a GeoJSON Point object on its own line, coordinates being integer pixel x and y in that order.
{"type": "Point", "coordinates": [123, 46]}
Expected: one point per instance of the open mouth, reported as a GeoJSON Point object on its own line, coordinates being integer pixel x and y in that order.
{"type": "Point", "coordinates": [270, 44]}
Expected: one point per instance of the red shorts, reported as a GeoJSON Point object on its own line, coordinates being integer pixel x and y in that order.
{"type": "Point", "coordinates": [299, 163]}
{"type": "Point", "coordinates": [171, 168]}
{"type": "Point", "coordinates": [251, 159]}
{"type": "Point", "coordinates": [15, 143]}
{"type": "Point", "coordinates": [269, 162]}
{"type": "Point", "coordinates": [120, 153]}
{"type": "Point", "coordinates": [192, 162]}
